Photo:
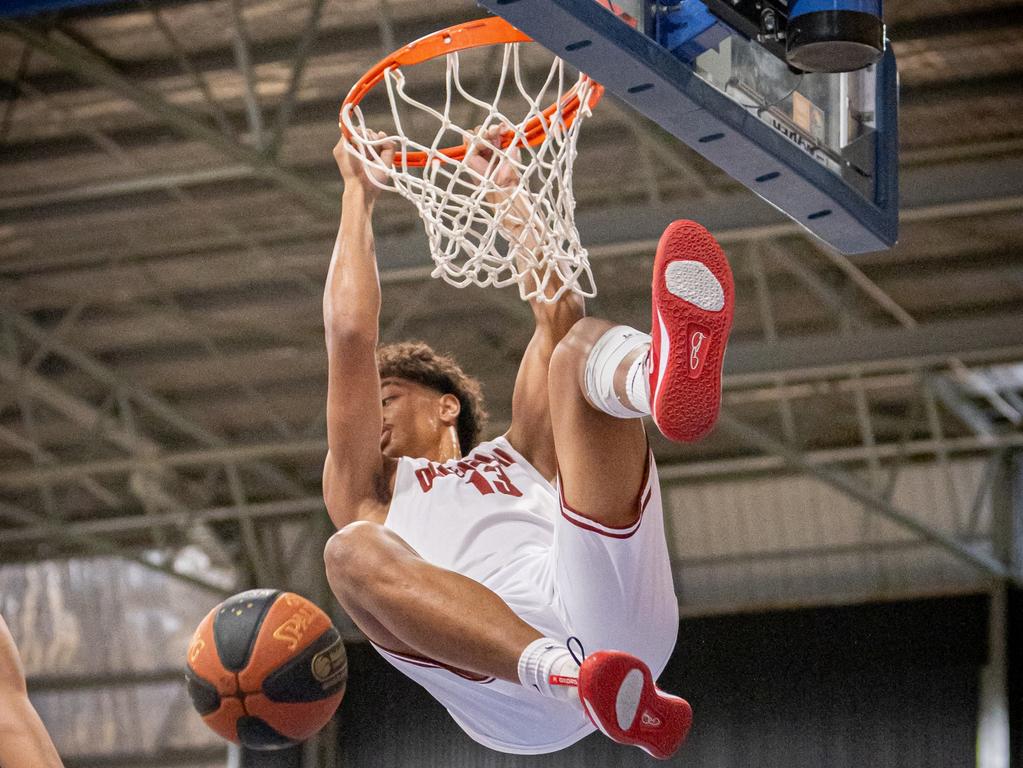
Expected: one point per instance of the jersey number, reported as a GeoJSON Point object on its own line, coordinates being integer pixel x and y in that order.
{"type": "Point", "coordinates": [483, 472]}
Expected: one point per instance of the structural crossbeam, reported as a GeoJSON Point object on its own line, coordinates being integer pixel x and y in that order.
{"type": "Point", "coordinates": [91, 67]}
{"type": "Point", "coordinates": [139, 395]}
{"type": "Point", "coordinates": [891, 348]}
{"type": "Point", "coordinates": [670, 474]}
{"type": "Point", "coordinates": [856, 489]}
{"type": "Point", "coordinates": [748, 364]}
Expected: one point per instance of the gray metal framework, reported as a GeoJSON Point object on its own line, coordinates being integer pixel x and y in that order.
{"type": "Point", "coordinates": [167, 205]}
{"type": "Point", "coordinates": [981, 188]}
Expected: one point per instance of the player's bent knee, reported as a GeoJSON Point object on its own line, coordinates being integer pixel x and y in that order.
{"type": "Point", "coordinates": [569, 357]}
{"type": "Point", "coordinates": [571, 350]}
{"type": "Point", "coordinates": [352, 555]}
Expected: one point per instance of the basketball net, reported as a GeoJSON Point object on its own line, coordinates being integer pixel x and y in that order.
{"type": "Point", "coordinates": [487, 226]}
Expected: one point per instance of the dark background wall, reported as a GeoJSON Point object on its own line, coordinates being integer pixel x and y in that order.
{"type": "Point", "coordinates": [891, 685]}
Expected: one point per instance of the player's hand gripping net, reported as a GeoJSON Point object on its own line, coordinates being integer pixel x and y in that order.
{"type": "Point", "coordinates": [498, 209]}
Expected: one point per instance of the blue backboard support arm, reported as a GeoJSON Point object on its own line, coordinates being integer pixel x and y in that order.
{"type": "Point", "coordinates": [663, 87]}
{"type": "Point", "coordinates": [15, 8]}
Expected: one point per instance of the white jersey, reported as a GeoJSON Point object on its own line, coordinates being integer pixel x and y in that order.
{"type": "Point", "coordinates": [492, 517]}
{"type": "Point", "coordinates": [489, 516]}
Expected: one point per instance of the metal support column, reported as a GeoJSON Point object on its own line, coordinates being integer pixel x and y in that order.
{"type": "Point", "coordinates": [996, 708]}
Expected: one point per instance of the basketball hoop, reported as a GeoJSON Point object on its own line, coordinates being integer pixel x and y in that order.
{"type": "Point", "coordinates": [480, 231]}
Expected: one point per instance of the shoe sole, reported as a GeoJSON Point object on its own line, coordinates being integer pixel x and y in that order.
{"type": "Point", "coordinates": [693, 305]}
{"type": "Point", "coordinates": [640, 710]}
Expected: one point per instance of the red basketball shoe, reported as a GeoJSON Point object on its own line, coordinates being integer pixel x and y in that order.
{"type": "Point", "coordinates": [693, 302]}
{"type": "Point", "coordinates": [620, 697]}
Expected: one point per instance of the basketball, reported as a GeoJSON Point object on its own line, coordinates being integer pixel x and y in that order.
{"type": "Point", "coordinates": [266, 669]}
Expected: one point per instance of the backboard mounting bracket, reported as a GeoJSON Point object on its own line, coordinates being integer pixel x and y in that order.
{"type": "Point", "coordinates": [851, 209]}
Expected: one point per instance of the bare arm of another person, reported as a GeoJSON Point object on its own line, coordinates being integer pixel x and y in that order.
{"type": "Point", "coordinates": [24, 742]}
{"type": "Point", "coordinates": [356, 475]}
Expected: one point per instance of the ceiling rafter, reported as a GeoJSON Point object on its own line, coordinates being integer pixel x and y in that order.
{"type": "Point", "coordinates": [92, 68]}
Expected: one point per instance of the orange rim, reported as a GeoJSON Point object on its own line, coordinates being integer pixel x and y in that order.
{"type": "Point", "coordinates": [460, 37]}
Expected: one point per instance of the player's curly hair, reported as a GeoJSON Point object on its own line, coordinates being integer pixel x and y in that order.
{"type": "Point", "coordinates": [416, 361]}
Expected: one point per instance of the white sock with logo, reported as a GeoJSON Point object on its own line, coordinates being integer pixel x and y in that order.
{"type": "Point", "coordinates": [547, 666]}
{"type": "Point", "coordinates": [609, 353]}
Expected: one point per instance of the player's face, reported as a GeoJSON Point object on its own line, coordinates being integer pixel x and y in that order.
{"type": "Point", "coordinates": [412, 424]}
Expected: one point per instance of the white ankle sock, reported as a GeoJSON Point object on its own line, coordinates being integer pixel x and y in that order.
{"type": "Point", "coordinates": [607, 354]}
{"type": "Point", "coordinates": [547, 666]}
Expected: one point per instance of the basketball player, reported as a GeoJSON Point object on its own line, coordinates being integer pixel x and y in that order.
{"type": "Point", "coordinates": [24, 742]}
{"type": "Point", "coordinates": [481, 571]}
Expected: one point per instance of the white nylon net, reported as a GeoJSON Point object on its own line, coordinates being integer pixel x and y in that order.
{"type": "Point", "coordinates": [486, 225]}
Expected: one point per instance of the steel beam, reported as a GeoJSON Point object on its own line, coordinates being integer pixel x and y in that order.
{"type": "Point", "coordinates": [670, 474]}
{"type": "Point", "coordinates": [350, 35]}
{"type": "Point", "coordinates": [964, 22]}
{"type": "Point", "coordinates": [126, 187]}
{"type": "Point", "coordinates": [854, 488]}
{"type": "Point", "coordinates": [240, 42]}
{"type": "Point", "coordinates": [927, 345]}
{"type": "Point", "coordinates": [299, 61]}
{"type": "Point", "coordinates": [943, 93]}
{"type": "Point", "coordinates": [90, 418]}
{"type": "Point", "coordinates": [951, 191]}
{"type": "Point", "coordinates": [200, 81]}
{"type": "Point", "coordinates": [812, 553]}
{"type": "Point", "coordinates": [139, 395]}
{"type": "Point", "coordinates": [93, 68]}
{"type": "Point", "coordinates": [203, 457]}
{"type": "Point", "coordinates": [893, 308]}
{"type": "Point", "coordinates": [73, 408]}
{"type": "Point", "coordinates": [49, 533]}
{"type": "Point", "coordinates": [697, 470]}
{"type": "Point", "coordinates": [98, 492]}
{"type": "Point", "coordinates": [958, 403]}
{"type": "Point", "coordinates": [747, 364]}
{"type": "Point", "coordinates": [755, 263]}
{"type": "Point", "coordinates": [118, 525]}
{"type": "Point", "coordinates": [103, 681]}
{"type": "Point", "coordinates": [1007, 508]}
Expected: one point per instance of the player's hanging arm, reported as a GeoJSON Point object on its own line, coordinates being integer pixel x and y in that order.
{"type": "Point", "coordinates": [530, 432]}
{"type": "Point", "coordinates": [355, 476]}
{"type": "Point", "coordinates": [24, 742]}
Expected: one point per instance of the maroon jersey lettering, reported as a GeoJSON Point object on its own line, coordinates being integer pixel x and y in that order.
{"type": "Point", "coordinates": [501, 480]}
{"type": "Point", "coordinates": [503, 457]}
{"type": "Point", "coordinates": [473, 469]}
{"type": "Point", "coordinates": [425, 476]}
{"type": "Point", "coordinates": [480, 482]}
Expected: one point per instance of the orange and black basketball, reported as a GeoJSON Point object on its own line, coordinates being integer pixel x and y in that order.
{"type": "Point", "coordinates": [266, 669]}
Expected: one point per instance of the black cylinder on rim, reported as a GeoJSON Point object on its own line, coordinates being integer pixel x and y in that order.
{"type": "Point", "coordinates": [834, 41]}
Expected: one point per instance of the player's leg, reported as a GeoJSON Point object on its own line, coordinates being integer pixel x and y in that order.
{"type": "Point", "coordinates": [601, 458]}
{"type": "Point", "coordinates": [610, 560]}
{"type": "Point", "coordinates": [612, 571]}
{"type": "Point", "coordinates": [604, 377]}
{"type": "Point", "coordinates": [408, 606]}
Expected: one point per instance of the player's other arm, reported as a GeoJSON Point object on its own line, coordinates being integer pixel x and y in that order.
{"type": "Point", "coordinates": [356, 475]}
{"type": "Point", "coordinates": [24, 742]}
{"type": "Point", "coordinates": [530, 432]}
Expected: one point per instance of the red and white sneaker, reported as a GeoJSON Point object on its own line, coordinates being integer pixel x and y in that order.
{"type": "Point", "coordinates": [619, 696]}
{"type": "Point", "coordinates": [693, 303]}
